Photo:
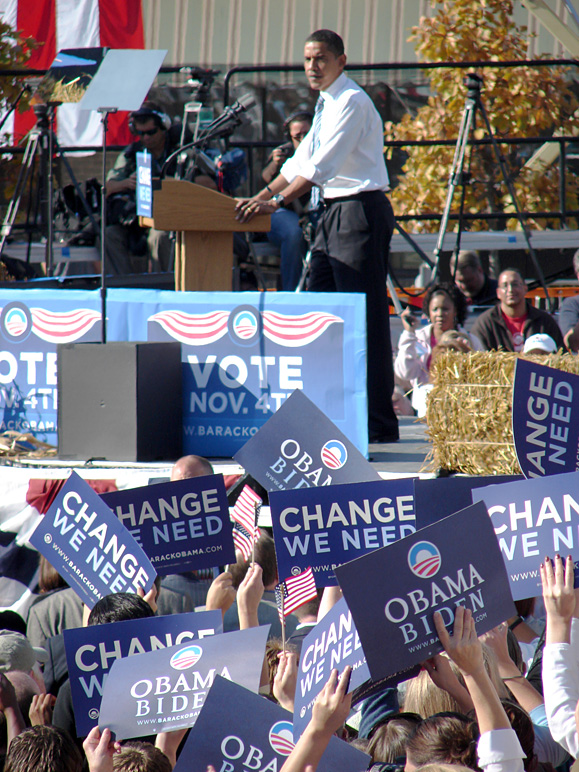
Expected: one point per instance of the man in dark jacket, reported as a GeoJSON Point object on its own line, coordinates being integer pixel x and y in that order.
{"type": "Point", "coordinates": [513, 319]}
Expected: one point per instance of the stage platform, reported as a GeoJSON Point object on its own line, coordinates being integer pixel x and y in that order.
{"type": "Point", "coordinates": [406, 458]}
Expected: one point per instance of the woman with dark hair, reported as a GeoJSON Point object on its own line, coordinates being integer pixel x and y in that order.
{"type": "Point", "coordinates": [447, 738]}
{"type": "Point", "coordinates": [445, 307]}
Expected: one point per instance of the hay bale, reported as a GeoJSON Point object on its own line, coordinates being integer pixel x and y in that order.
{"type": "Point", "coordinates": [469, 410]}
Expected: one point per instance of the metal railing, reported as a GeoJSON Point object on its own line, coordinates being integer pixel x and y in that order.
{"type": "Point", "coordinates": [256, 146]}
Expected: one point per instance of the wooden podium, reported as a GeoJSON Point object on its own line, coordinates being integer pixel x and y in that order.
{"type": "Point", "coordinates": [205, 222]}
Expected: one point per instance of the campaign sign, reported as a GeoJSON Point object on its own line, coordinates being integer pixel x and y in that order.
{"type": "Point", "coordinates": [238, 730]}
{"type": "Point", "coordinates": [165, 690]}
{"type": "Point", "coordinates": [325, 527]}
{"type": "Point", "coordinates": [394, 591]}
{"type": "Point", "coordinates": [92, 551]}
{"type": "Point", "coordinates": [244, 355]}
{"type": "Point", "coordinates": [181, 525]}
{"type": "Point", "coordinates": [443, 496]}
{"type": "Point", "coordinates": [333, 643]}
{"type": "Point", "coordinates": [545, 419]}
{"type": "Point", "coordinates": [532, 519]}
{"type": "Point", "coordinates": [32, 324]}
{"type": "Point", "coordinates": [144, 185]}
{"type": "Point", "coordinates": [90, 652]}
{"type": "Point", "coordinates": [299, 447]}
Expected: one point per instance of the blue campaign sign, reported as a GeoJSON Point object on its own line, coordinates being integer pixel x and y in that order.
{"type": "Point", "coordinates": [545, 419]}
{"type": "Point", "coordinates": [181, 525]}
{"type": "Point", "coordinates": [325, 527]}
{"type": "Point", "coordinates": [394, 591]}
{"type": "Point", "coordinates": [443, 496]}
{"type": "Point", "coordinates": [92, 551]}
{"type": "Point", "coordinates": [244, 355]}
{"type": "Point", "coordinates": [533, 519]}
{"type": "Point", "coordinates": [299, 447]}
{"type": "Point", "coordinates": [238, 730]}
{"type": "Point", "coordinates": [90, 652]}
{"type": "Point", "coordinates": [165, 690]}
{"type": "Point", "coordinates": [333, 643]}
{"type": "Point", "coordinates": [144, 185]}
{"type": "Point", "coordinates": [32, 323]}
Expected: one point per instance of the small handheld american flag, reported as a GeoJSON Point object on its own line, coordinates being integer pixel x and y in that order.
{"type": "Point", "coordinates": [244, 514]}
{"type": "Point", "coordinates": [294, 592]}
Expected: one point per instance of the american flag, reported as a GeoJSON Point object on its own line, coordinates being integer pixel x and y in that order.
{"type": "Point", "coordinates": [294, 592]}
{"type": "Point", "coordinates": [244, 511]}
{"type": "Point", "coordinates": [243, 541]}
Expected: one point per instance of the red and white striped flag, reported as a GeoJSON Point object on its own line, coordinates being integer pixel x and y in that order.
{"type": "Point", "coordinates": [243, 541]}
{"type": "Point", "coordinates": [244, 510]}
{"type": "Point", "coordinates": [295, 591]}
{"type": "Point", "coordinates": [59, 24]}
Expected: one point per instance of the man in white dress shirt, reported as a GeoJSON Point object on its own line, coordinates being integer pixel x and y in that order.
{"type": "Point", "coordinates": [342, 156]}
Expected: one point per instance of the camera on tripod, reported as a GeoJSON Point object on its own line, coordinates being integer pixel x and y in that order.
{"type": "Point", "coordinates": [473, 83]}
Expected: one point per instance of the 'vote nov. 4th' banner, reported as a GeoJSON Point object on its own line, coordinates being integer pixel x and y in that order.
{"type": "Point", "coordinates": [325, 527]}
{"type": "Point", "coordinates": [91, 651]}
{"type": "Point", "coordinates": [533, 519]}
{"type": "Point", "coordinates": [241, 360]}
{"type": "Point", "coordinates": [181, 525]}
{"type": "Point", "coordinates": [165, 690]}
{"type": "Point", "coordinates": [89, 547]}
{"type": "Point", "coordinates": [545, 419]}
{"type": "Point", "coordinates": [394, 591]}
{"type": "Point", "coordinates": [299, 447]}
{"type": "Point", "coordinates": [238, 730]}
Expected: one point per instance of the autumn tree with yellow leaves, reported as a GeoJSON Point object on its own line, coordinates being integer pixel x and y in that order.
{"type": "Point", "coordinates": [14, 53]}
{"type": "Point", "coordinates": [520, 102]}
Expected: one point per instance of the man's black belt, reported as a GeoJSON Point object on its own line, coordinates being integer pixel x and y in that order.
{"type": "Point", "coordinates": [355, 197]}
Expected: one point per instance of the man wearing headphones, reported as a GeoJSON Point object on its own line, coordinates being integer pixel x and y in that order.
{"type": "Point", "coordinates": [286, 230]}
{"type": "Point", "coordinates": [128, 246]}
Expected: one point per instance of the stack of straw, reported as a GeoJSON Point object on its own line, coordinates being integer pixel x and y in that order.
{"type": "Point", "coordinates": [469, 410]}
{"type": "Point", "coordinates": [15, 447]}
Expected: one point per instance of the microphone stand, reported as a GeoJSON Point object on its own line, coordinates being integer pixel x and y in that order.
{"type": "Point", "coordinates": [215, 130]}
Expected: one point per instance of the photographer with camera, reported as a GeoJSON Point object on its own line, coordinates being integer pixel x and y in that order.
{"type": "Point", "coordinates": [128, 246]}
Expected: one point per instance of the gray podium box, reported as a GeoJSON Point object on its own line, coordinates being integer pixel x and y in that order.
{"type": "Point", "coordinates": [120, 401]}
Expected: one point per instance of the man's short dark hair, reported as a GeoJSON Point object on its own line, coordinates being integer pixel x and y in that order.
{"type": "Point", "coordinates": [136, 756]}
{"type": "Point", "coordinates": [43, 749]}
{"type": "Point", "coordinates": [119, 607]}
{"type": "Point", "coordinates": [466, 258]}
{"type": "Point", "coordinates": [332, 40]}
{"type": "Point", "coordinates": [264, 556]}
{"type": "Point", "coordinates": [513, 270]}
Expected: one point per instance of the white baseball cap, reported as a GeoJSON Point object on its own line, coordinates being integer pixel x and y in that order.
{"type": "Point", "coordinates": [540, 342]}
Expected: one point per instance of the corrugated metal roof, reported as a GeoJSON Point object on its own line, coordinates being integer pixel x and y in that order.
{"type": "Point", "coordinates": [225, 33]}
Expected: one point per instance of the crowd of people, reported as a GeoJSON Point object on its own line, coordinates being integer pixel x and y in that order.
{"type": "Point", "coordinates": [506, 701]}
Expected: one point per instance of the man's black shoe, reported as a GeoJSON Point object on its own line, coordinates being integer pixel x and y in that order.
{"type": "Point", "coordinates": [381, 439]}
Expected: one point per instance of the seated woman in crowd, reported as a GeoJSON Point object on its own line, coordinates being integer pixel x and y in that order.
{"type": "Point", "coordinates": [446, 308]}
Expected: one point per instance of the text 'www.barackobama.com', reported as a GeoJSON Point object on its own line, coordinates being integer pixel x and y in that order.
{"type": "Point", "coordinates": [76, 570]}
{"type": "Point", "coordinates": [525, 575]}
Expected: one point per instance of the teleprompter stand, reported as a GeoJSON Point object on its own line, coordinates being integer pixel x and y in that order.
{"type": "Point", "coordinates": [458, 176]}
{"type": "Point", "coordinates": [121, 83]}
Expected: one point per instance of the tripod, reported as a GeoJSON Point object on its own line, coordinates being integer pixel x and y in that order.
{"type": "Point", "coordinates": [457, 176]}
{"type": "Point", "coordinates": [41, 143]}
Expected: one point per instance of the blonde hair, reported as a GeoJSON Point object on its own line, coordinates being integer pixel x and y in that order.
{"type": "Point", "coordinates": [424, 697]}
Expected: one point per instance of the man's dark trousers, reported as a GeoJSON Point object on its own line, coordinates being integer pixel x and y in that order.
{"type": "Point", "coordinates": [350, 254]}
